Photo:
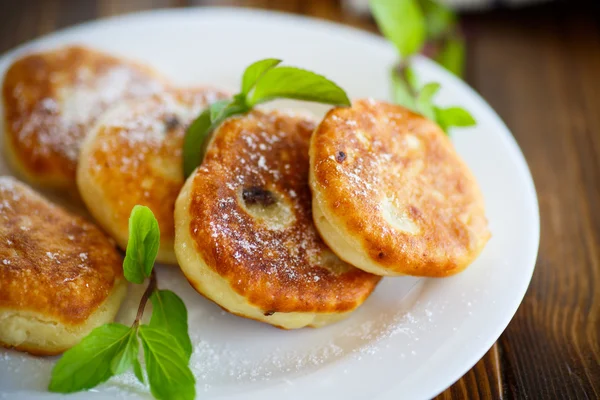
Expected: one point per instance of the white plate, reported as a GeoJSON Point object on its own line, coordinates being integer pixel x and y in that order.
{"type": "Point", "coordinates": [412, 338]}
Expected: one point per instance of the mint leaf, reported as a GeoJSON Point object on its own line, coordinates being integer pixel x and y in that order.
{"type": "Point", "coordinates": [194, 138]}
{"type": "Point", "coordinates": [255, 71]}
{"type": "Point", "coordinates": [236, 107]}
{"type": "Point", "coordinates": [428, 91]}
{"type": "Point", "coordinates": [452, 55]}
{"type": "Point", "coordinates": [127, 354]}
{"type": "Point", "coordinates": [453, 116]}
{"type": "Point", "coordinates": [169, 312]}
{"type": "Point", "coordinates": [439, 18]}
{"type": "Point", "coordinates": [267, 82]}
{"type": "Point", "coordinates": [411, 78]}
{"type": "Point", "coordinates": [217, 108]}
{"type": "Point", "coordinates": [89, 363]}
{"type": "Point", "coordinates": [142, 247]}
{"type": "Point", "coordinates": [298, 84]}
{"type": "Point", "coordinates": [402, 22]}
{"type": "Point", "coordinates": [137, 370]}
{"type": "Point", "coordinates": [425, 100]}
{"type": "Point", "coordinates": [401, 92]}
{"type": "Point", "coordinates": [166, 365]}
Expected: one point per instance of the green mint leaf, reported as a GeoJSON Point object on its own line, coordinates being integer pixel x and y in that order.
{"type": "Point", "coordinates": [195, 136]}
{"type": "Point", "coordinates": [266, 81]}
{"type": "Point", "coordinates": [124, 359]}
{"type": "Point", "coordinates": [452, 55]}
{"type": "Point", "coordinates": [439, 18]}
{"type": "Point", "coordinates": [169, 313]}
{"type": "Point", "coordinates": [298, 84]}
{"type": "Point", "coordinates": [255, 71]}
{"type": "Point", "coordinates": [217, 108]}
{"type": "Point", "coordinates": [166, 365]}
{"type": "Point", "coordinates": [428, 91]}
{"type": "Point", "coordinates": [137, 370]}
{"type": "Point", "coordinates": [89, 363]}
{"type": "Point", "coordinates": [236, 107]}
{"type": "Point", "coordinates": [453, 116]}
{"type": "Point", "coordinates": [402, 22]}
{"type": "Point", "coordinates": [425, 100]}
{"type": "Point", "coordinates": [401, 92]}
{"type": "Point", "coordinates": [411, 78]}
{"type": "Point", "coordinates": [142, 247]}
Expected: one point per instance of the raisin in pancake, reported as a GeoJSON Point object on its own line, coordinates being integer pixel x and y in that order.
{"type": "Point", "coordinates": [244, 235]}
{"type": "Point", "coordinates": [52, 98]}
{"type": "Point", "coordinates": [134, 156]}
{"type": "Point", "coordinates": [60, 276]}
{"type": "Point", "coordinates": [391, 195]}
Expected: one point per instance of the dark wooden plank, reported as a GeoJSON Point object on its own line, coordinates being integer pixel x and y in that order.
{"type": "Point", "coordinates": [540, 69]}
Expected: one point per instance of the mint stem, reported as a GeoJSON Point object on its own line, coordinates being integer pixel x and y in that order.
{"type": "Point", "coordinates": [147, 293]}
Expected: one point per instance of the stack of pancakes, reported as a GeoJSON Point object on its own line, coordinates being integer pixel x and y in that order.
{"type": "Point", "coordinates": [287, 221]}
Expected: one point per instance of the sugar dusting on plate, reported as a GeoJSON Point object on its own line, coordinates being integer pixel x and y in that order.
{"type": "Point", "coordinates": [231, 352]}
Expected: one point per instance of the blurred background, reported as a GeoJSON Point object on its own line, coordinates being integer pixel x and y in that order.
{"type": "Point", "coordinates": [537, 62]}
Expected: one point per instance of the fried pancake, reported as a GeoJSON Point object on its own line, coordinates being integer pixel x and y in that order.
{"type": "Point", "coordinates": [60, 276]}
{"type": "Point", "coordinates": [133, 155]}
{"type": "Point", "coordinates": [244, 235]}
{"type": "Point", "coordinates": [52, 98]}
{"type": "Point", "coordinates": [391, 195]}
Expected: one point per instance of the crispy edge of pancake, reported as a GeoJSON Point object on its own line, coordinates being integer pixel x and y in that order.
{"type": "Point", "coordinates": [353, 247]}
{"type": "Point", "coordinates": [42, 335]}
{"type": "Point", "coordinates": [59, 172]}
{"type": "Point", "coordinates": [218, 289]}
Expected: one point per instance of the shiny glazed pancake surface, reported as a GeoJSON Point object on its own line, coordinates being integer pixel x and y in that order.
{"type": "Point", "coordinates": [391, 195]}
{"type": "Point", "coordinates": [51, 99]}
{"type": "Point", "coordinates": [244, 231]}
{"type": "Point", "coordinates": [60, 276]}
{"type": "Point", "coordinates": [133, 155]}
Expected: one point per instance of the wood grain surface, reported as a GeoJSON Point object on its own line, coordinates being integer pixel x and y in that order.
{"type": "Point", "coordinates": [539, 68]}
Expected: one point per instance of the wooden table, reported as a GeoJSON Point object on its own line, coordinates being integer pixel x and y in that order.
{"type": "Point", "coordinates": [539, 68]}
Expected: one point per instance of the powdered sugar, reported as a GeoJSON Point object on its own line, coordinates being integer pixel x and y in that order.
{"type": "Point", "coordinates": [56, 124]}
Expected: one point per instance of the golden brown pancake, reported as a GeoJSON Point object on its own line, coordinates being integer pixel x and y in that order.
{"type": "Point", "coordinates": [133, 155]}
{"type": "Point", "coordinates": [52, 98]}
{"type": "Point", "coordinates": [244, 235]}
{"type": "Point", "coordinates": [60, 276]}
{"type": "Point", "coordinates": [391, 195]}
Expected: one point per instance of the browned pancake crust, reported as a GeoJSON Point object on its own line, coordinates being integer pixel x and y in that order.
{"type": "Point", "coordinates": [51, 262]}
{"type": "Point", "coordinates": [136, 155]}
{"type": "Point", "coordinates": [366, 153]}
{"type": "Point", "coordinates": [275, 270]}
{"type": "Point", "coordinates": [43, 137]}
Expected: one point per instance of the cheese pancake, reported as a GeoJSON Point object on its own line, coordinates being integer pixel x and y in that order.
{"type": "Point", "coordinates": [52, 98]}
{"type": "Point", "coordinates": [133, 155]}
{"type": "Point", "coordinates": [244, 235]}
{"type": "Point", "coordinates": [60, 276]}
{"type": "Point", "coordinates": [391, 195]}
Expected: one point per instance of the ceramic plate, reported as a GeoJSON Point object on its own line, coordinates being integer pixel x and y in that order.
{"type": "Point", "coordinates": [413, 337]}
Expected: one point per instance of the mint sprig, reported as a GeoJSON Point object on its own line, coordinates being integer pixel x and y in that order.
{"type": "Point", "coordinates": [415, 26]}
{"type": "Point", "coordinates": [113, 349]}
{"type": "Point", "coordinates": [262, 81]}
